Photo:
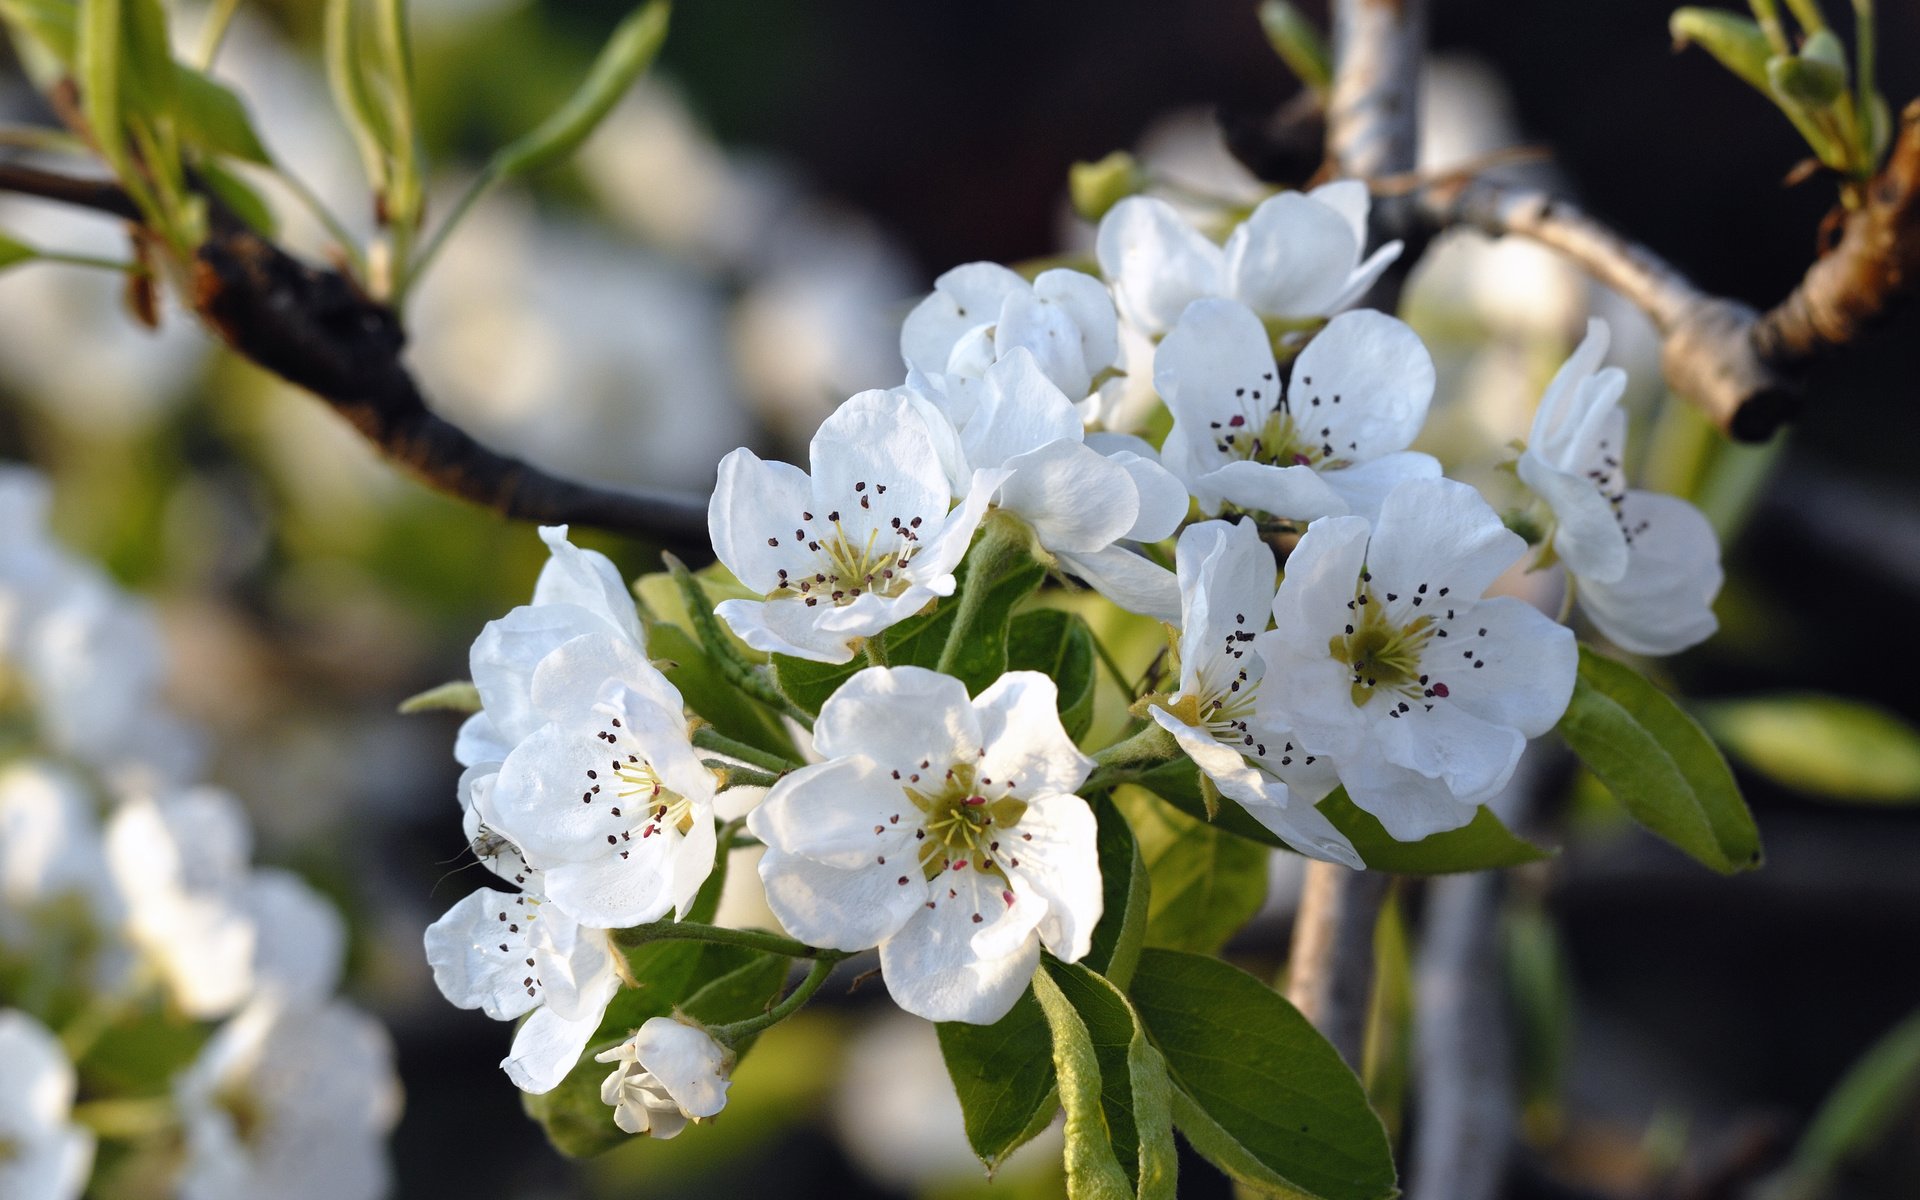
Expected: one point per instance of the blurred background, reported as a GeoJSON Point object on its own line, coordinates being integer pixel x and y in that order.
{"type": "Point", "coordinates": [731, 256]}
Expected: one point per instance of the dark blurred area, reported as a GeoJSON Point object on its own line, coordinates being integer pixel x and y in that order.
{"type": "Point", "coordinates": [1733, 1006]}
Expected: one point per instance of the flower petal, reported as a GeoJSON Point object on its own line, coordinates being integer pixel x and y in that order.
{"type": "Point", "coordinates": [1473, 757]}
{"type": "Point", "coordinates": [755, 509]}
{"type": "Point", "coordinates": [1587, 533]}
{"type": "Point", "coordinates": [847, 813]}
{"type": "Point", "coordinates": [1362, 386]}
{"type": "Point", "coordinates": [1132, 581]}
{"type": "Point", "coordinates": [899, 717]}
{"type": "Point", "coordinates": [876, 440]}
{"type": "Point", "coordinates": [1090, 304]}
{"type": "Point", "coordinates": [687, 1062]}
{"type": "Point", "coordinates": [1297, 493]}
{"type": "Point", "coordinates": [930, 964]}
{"type": "Point", "coordinates": [1306, 829]}
{"type": "Point", "coordinates": [1441, 533]}
{"type": "Point", "coordinates": [505, 654]}
{"type": "Point", "coordinates": [964, 298]}
{"type": "Point", "coordinates": [1020, 410]}
{"type": "Point", "coordinates": [479, 951]}
{"type": "Point", "coordinates": [1227, 579]}
{"type": "Point", "coordinates": [1409, 805]}
{"type": "Point", "coordinates": [1156, 262]}
{"type": "Point", "coordinates": [585, 579]}
{"type": "Point", "coordinates": [545, 1049]}
{"type": "Point", "coordinates": [1291, 258]}
{"type": "Point", "coordinates": [1025, 747]}
{"type": "Point", "coordinates": [1074, 498]}
{"type": "Point", "coordinates": [842, 910]}
{"type": "Point", "coordinates": [1523, 666]}
{"type": "Point", "coordinates": [1364, 487]}
{"type": "Point", "coordinates": [1664, 602]}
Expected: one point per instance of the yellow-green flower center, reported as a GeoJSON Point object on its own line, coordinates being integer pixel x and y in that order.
{"type": "Point", "coordinates": [1383, 655]}
{"type": "Point", "coordinates": [961, 827]}
{"type": "Point", "coordinates": [847, 567]}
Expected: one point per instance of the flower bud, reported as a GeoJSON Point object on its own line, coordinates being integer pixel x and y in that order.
{"type": "Point", "coordinates": [1098, 186]}
{"type": "Point", "coordinates": [670, 1072]}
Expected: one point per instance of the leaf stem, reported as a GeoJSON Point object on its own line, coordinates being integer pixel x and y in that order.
{"type": "Point", "coordinates": [742, 674]}
{"type": "Point", "coordinates": [708, 738]}
{"type": "Point", "coordinates": [213, 34]}
{"type": "Point", "coordinates": [737, 774]}
{"type": "Point", "coordinates": [794, 1002]}
{"type": "Point", "coordinates": [720, 935]}
{"type": "Point", "coordinates": [128, 1119]}
{"type": "Point", "coordinates": [1149, 747]}
{"type": "Point", "coordinates": [1004, 543]}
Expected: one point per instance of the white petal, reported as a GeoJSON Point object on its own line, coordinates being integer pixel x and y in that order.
{"type": "Point", "coordinates": [1291, 258]}
{"type": "Point", "coordinates": [1026, 749]}
{"type": "Point", "coordinates": [470, 965]}
{"type": "Point", "coordinates": [1472, 757]}
{"type": "Point", "coordinates": [1529, 662]}
{"type": "Point", "coordinates": [1087, 300]}
{"type": "Point", "coordinates": [506, 653]}
{"type": "Point", "coordinates": [1664, 603]}
{"type": "Point", "coordinates": [942, 552]}
{"type": "Point", "coordinates": [1362, 386]}
{"type": "Point", "coordinates": [479, 741]}
{"type": "Point", "coordinates": [574, 677]}
{"type": "Point", "coordinates": [932, 969]}
{"type": "Point", "coordinates": [1074, 498]}
{"type": "Point", "coordinates": [1306, 689]}
{"type": "Point", "coordinates": [1364, 487]}
{"type": "Point", "coordinates": [1047, 331]}
{"type": "Point", "coordinates": [1156, 262]}
{"type": "Point", "coordinates": [1226, 575]}
{"type": "Point", "coordinates": [755, 509]}
{"type": "Point", "coordinates": [1364, 276]}
{"type": "Point", "coordinates": [611, 892]}
{"type": "Point", "coordinates": [963, 299]}
{"type": "Point", "coordinates": [1411, 806]}
{"type": "Point", "coordinates": [1555, 420]}
{"type": "Point", "coordinates": [546, 1047]}
{"type": "Point", "coordinates": [784, 627]}
{"type": "Point", "coordinates": [1132, 581]}
{"type": "Point", "coordinates": [1297, 493]}
{"type": "Point", "coordinates": [1441, 533]}
{"type": "Point", "coordinates": [687, 1062]}
{"type": "Point", "coordinates": [1020, 410]}
{"type": "Point", "coordinates": [1306, 829]}
{"type": "Point", "coordinates": [1208, 368]}
{"type": "Point", "coordinates": [1587, 533]}
{"type": "Point", "coordinates": [1061, 863]}
{"type": "Point", "coordinates": [1349, 198]}
{"type": "Point", "coordinates": [843, 910]}
{"type": "Point", "coordinates": [1163, 498]}
{"type": "Point", "coordinates": [899, 717]}
{"type": "Point", "coordinates": [302, 942]}
{"type": "Point", "coordinates": [847, 813]}
{"type": "Point", "coordinates": [585, 579]}
{"type": "Point", "coordinates": [876, 439]}
{"type": "Point", "coordinates": [36, 1078]}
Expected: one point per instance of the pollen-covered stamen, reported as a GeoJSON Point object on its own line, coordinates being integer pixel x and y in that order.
{"type": "Point", "coordinates": [1271, 429]}
{"type": "Point", "coordinates": [964, 820]}
{"type": "Point", "coordinates": [635, 799]}
{"type": "Point", "coordinates": [1386, 654]}
{"type": "Point", "coordinates": [837, 565]}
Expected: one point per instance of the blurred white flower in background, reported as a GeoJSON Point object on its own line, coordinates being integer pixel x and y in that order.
{"type": "Point", "coordinates": [43, 1155]}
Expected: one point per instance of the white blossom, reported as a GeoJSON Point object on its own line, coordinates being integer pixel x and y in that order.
{"type": "Point", "coordinates": [289, 1101]}
{"type": "Point", "coordinates": [1296, 258]}
{"type": "Point", "coordinates": [300, 943]}
{"type": "Point", "coordinates": [50, 850]}
{"type": "Point", "coordinates": [608, 798]}
{"type": "Point", "coordinates": [944, 831]}
{"type": "Point", "coordinates": [180, 861]}
{"type": "Point", "coordinates": [43, 1154]}
{"type": "Point", "coordinates": [513, 955]}
{"type": "Point", "coordinates": [1226, 593]}
{"type": "Point", "coordinates": [667, 1074]}
{"type": "Point", "coordinates": [1389, 659]}
{"type": "Point", "coordinates": [863, 543]}
{"type": "Point", "coordinates": [1646, 567]}
{"type": "Point", "coordinates": [1332, 441]}
{"type": "Point", "coordinates": [1081, 497]}
{"type": "Point", "coordinates": [981, 312]}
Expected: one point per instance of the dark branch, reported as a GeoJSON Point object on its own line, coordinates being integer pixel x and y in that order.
{"type": "Point", "coordinates": [316, 329]}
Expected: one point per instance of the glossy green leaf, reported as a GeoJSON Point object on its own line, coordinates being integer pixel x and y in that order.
{"type": "Point", "coordinates": [52, 24]}
{"type": "Point", "coordinates": [1659, 764]}
{"type": "Point", "coordinates": [1113, 1085]}
{"type": "Point", "coordinates": [1482, 844]}
{"type": "Point", "coordinates": [1125, 896]}
{"type": "Point", "coordinates": [214, 119]}
{"type": "Point", "coordinates": [1257, 1091]}
{"type": "Point", "coordinates": [1736, 42]}
{"type": "Point", "coordinates": [1809, 83]}
{"type": "Point", "coordinates": [628, 53]}
{"type": "Point", "coordinates": [1206, 882]}
{"type": "Point", "coordinates": [1004, 1077]}
{"type": "Point", "coordinates": [1826, 746]}
{"type": "Point", "coordinates": [1059, 645]}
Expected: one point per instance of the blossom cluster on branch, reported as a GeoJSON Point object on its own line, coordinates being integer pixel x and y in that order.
{"type": "Point", "coordinates": [157, 990]}
{"type": "Point", "coordinates": [862, 701]}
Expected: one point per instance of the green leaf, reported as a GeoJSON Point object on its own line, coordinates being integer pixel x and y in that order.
{"type": "Point", "coordinates": [148, 56]}
{"type": "Point", "coordinates": [1125, 896]}
{"type": "Point", "coordinates": [1736, 42]}
{"type": "Point", "coordinates": [214, 119]}
{"type": "Point", "coordinates": [97, 55]}
{"type": "Point", "coordinates": [13, 252]}
{"type": "Point", "coordinates": [1482, 844]}
{"type": "Point", "coordinates": [628, 53]}
{"type": "Point", "coordinates": [1806, 82]}
{"type": "Point", "coordinates": [351, 59]}
{"type": "Point", "coordinates": [52, 24]}
{"type": "Point", "coordinates": [458, 696]}
{"type": "Point", "coordinates": [707, 691]}
{"type": "Point", "coordinates": [1114, 1086]}
{"type": "Point", "coordinates": [1059, 645]}
{"type": "Point", "coordinates": [1387, 1059]}
{"type": "Point", "coordinates": [1004, 1078]}
{"type": "Point", "coordinates": [1659, 764]}
{"type": "Point", "coordinates": [238, 195]}
{"type": "Point", "coordinates": [1299, 44]}
{"type": "Point", "coordinates": [1257, 1091]}
{"type": "Point", "coordinates": [1826, 746]}
{"type": "Point", "coordinates": [1861, 1112]}
{"type": "Point", "coordinates": [998, 573]}
{"type": "Point", "coordinates": [1206, 883]}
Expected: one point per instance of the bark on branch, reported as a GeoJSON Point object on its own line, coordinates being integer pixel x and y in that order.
{"type": "Point", "coordinates": [314, 328]}
{"type": "Point", "coordinates": [1739, 366]}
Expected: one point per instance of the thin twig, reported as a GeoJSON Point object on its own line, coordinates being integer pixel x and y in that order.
{"type": "Point", "coordinates": [314, 328]}
{"type": "Point", "coordinates": [1330, 965]}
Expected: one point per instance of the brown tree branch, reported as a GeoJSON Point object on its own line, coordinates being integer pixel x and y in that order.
{"type": "Point", "coordinates": [1330, 965]}
{"type": "Point", "coordinates": [1739, 366]}
{"type": "Point", "coordinates": [316, 329]}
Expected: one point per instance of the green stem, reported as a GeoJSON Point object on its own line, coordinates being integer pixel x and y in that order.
{"type": "Point", "coordinates": [87, 260]}
{"type": "Point", "coordinates": [1149, 748]}
{"type": "Point", "coordinates": [1767, 14]}
{"type": "Point", "coordinates": [795, 1001]}
{"type": "Point", "coordinates": [694, 931]}
{"type": "Point", "coordinates": [742, 674]}
{"type": "Point", "coordinates": [488, 178]}
{"type": "Point", "coordinates": [708, 738]}
{"type": "Point", "coordinates": [406, 195]}
{"type": "Point", "coordinates": [737, 774]}
{"type": "Point", "coordinates": [1113, 669]}
{"type": "Point", "coordinates": [1808, 13]}
{"type": "Point", "coordinates": [876, 649]}
{"type": "Point", "coordinates": [1005, 543]}
{"type": "Point", "coordinates": [1863, 68]}
{"type": "Point", "coordinates": [128, 1119]}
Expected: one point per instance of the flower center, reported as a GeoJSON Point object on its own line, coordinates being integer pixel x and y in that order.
{"type": "Point", "coordinates": [847, 566]}
{"type": "Point", "coordinates": [961, 826]}
{"type": "Point", "coordinates": [638, 799]}
{"type": "Point", "coordinates": [1383, 655]}
{"type": "Point", "coordinates": [1277, 441]}
{"type": "Point", "coordinates": [244, 1109]}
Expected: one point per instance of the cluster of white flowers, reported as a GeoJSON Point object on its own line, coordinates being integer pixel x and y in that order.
{"type": "Point", "coordinates": [946, 828]}
{"type": "Point", "coordinates": [125, 890]}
